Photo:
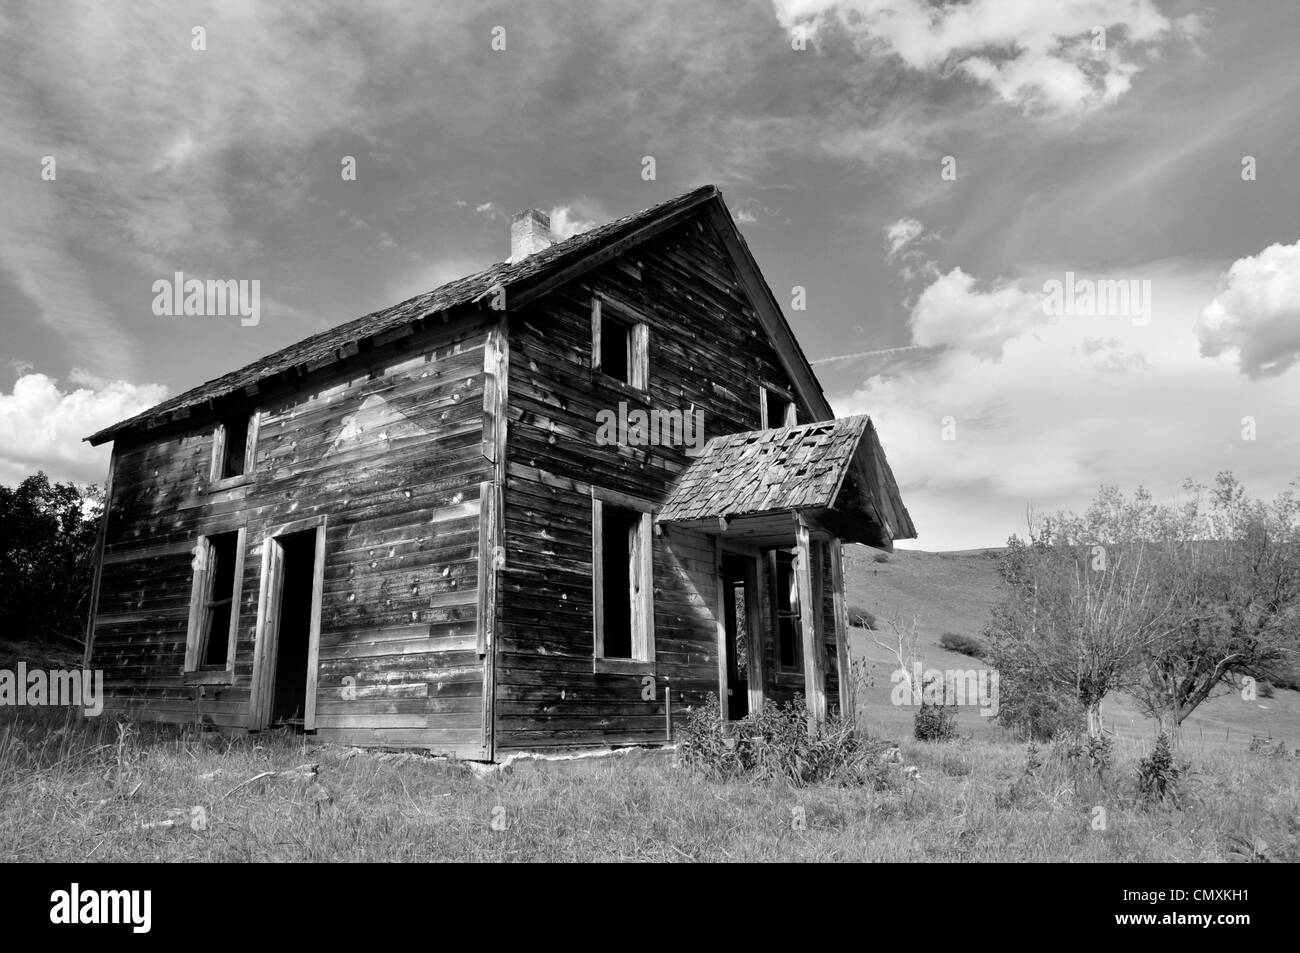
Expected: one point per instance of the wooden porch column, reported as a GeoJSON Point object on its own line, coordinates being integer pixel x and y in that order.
{"type": "Point", "coordinates": [754, 636]}
{"type": "Point", "coordinates": [814, 655]}
{"type": "Point", "coordinates": [848, 702]}
{"type": "Point", "coordinates": [720, 619]}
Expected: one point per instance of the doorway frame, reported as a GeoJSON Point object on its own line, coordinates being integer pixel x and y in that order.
{"type": "Point", "coordinates": [266, 641]}
{"type": "Point", "coordinates": [756, 637]}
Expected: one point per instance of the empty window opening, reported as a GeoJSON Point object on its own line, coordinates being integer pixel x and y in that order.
{"type": "Point", "coordinates": [219, 605]}
{"type": "Point", "coordinates": [786, 609]}
{"type": "Point", "coordinates": [619, 349]}
{"type": "Point", "coordinates": [619, 578]}
{"type": "Point", "coordinates": [293, 628]}
{"type": "Point", "coordinates": [777, 410]}
{"type": "Point", "coordinates": [615, 349]}
{"type": "Point", "coordinates": [234, 448]}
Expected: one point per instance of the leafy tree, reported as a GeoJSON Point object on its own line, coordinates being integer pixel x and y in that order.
{"type": "Point", "coordinates": [1169, 602]}
{"type": "Point", "coordinates": [48, 533]}
{"type": "Point", "coordinates": [1074, 625]}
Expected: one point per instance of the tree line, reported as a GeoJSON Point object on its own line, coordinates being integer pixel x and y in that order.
{"type": "Point", "coordinates": [1170, 603]}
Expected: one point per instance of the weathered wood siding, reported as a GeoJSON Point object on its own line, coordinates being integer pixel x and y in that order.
{"type": "Point", "coordinates": [388, 447]}
{"type": "Point", "coordinates": [707, 350]}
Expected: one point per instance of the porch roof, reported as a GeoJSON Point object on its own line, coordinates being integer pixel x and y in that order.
{"type": "Point", "coordinates": [833, 471]}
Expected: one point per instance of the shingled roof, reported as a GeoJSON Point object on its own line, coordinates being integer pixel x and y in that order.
{"type": "Point", "coordinates": [343, 340]}
{"type": "Point", "coordinates": [834, 468]}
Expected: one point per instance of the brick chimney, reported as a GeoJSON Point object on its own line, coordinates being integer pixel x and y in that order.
{"type": "Point", "coordinates": [530, 232]}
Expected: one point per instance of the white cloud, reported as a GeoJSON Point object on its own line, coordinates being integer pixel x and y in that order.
{"type": "Point", "coordinates": [570, 220]}
{"type": "Point", "coordinates": [902, 233]}
{"type": "Point", "coordinates": [1039, 56]}
{"type": "Point", "coordinates": [1072, 404]}
{"type": "Point", "coordinates": [1257, 313]}
{"type": "Point", "coordinates": [952, 313]}
{"type": "Point", "coordinates": [42, 425]}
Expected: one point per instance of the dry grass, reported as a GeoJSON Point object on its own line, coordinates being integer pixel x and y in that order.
{"type": "Point", "coordinates": [72, 790]}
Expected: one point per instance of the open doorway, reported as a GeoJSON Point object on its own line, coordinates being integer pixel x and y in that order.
{"type": "Point", "coordinates": [288, 627]}
{"type": "Point", "coordinates": [738, 612]}
{"type": "Point", "coordinates": [293, 629]}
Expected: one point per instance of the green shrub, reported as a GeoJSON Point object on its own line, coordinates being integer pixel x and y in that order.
{"type": "Point", "coordinates": [880, 558]}
{"type": "Point", "coordinates": [1158, 775]}
{"type": "Point", "coordinates": [964, 644]}
{"type": "Point", "coordinates": [1074, 750]}
{"type": "Point", "coordinates": [775, 744]}
{"type": "Point", "coordinates": [1030, 706]}
{"type": "Point", "coordinates": [862, 618]}
{"type": "Point", "coordinates": [934, 723]}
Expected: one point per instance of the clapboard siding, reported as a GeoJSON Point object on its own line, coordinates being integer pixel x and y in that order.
{"type": "Point", "coordinates": [388, 447]}
{"type": "Point", "coordinates": [707, 350]}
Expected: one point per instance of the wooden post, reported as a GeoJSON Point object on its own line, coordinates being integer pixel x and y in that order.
{"type": "Point", "coordinates": [754, 636]}
{"type": "Point", "coordinates": [720, 615]}
{"type": "Point", "coordinates": [814, 656]}
{"type": "Point", "coordinates": [848, 703]}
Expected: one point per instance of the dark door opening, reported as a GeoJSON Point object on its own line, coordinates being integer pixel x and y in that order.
{"type": "Point", "coordinates": [293, 629]}
{"type": "Point", "coordinates": [735, 612]}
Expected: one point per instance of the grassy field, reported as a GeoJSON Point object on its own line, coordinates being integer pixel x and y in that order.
{"type": "Point", "coordinates": [84, 790]}
{"type": "Point", "coordinates": [74, 789]}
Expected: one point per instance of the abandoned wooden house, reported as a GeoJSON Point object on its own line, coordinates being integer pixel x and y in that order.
{"type": "Point", "coordinates": [404, 530]}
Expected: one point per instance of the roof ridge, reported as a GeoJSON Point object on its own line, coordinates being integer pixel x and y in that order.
{"type": "Point", "coordinates": [316, 349]}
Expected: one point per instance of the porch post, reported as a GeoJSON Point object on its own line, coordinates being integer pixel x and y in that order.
{"type": "Point", "coordinates": [754, 636]}
{"type": "Point", "coordinates": [720, 618]}
{"type": "Point", "coordinates": [814, 654]}
{"type": "Point", "coordinates": [848, 703]}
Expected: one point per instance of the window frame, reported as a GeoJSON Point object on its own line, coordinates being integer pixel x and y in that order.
{"type": "Point", "coordinates": [638, 342]}
{"type": "Point", "coordinates": [774, 562]}
{"type": "Point", "coordinates": [791, 415]}
{"type": "Point", "coordinates": [197, 633]}
{"type": "Point", "coordinates": [219, 453]}
{"type": "Point", "coordinates": [640, 575]}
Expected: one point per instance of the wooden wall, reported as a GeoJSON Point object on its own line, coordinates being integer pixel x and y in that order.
{"type": "Point", "coordinates": [706, 349]}
{"type": "Point", "coordinates": [388, 447]}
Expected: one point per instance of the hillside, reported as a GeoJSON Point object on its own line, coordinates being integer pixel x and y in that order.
{"type": "Point", "coordinates": [946, 592]}
{"type": "Point", "coordinates": [953, 592]}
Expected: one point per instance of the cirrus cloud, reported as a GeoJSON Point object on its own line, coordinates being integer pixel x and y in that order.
{"type": "Point", "coordinates": [1067, 56]}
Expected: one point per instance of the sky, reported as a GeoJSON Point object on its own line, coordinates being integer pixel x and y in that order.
{"type": "Point", "coordinates": [937, 178]}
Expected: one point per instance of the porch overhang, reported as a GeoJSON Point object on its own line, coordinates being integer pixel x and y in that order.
{"type": "Point", "coordinates": [754, 487]}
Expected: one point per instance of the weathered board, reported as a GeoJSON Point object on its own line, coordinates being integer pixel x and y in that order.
{"type": "Point", "coordinates": [387, 446]}
{"type": "Point", "coordinates": [706, 350]}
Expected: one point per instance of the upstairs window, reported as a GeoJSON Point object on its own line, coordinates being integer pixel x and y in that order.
{"type": "Point", "coordinates": [619, 348]}
{"type": "Point", "coordinates": [775, 409]}
{"type": "Point", "coordinates": [233, 446]}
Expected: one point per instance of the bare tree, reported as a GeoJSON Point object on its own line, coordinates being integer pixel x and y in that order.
{"type": "Point", "coordinates": [1235, 584]}
{"type": "Point", "coordinates": [1078, 617]}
